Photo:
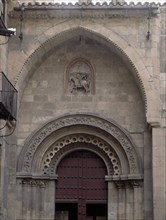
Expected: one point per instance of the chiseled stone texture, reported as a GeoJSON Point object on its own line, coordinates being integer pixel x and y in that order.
{"type": "Point", "coordinates": [115, 91]}
{"type": "Point", "coordinates": [116, 97]}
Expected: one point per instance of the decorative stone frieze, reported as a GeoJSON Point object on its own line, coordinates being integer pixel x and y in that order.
{"type": "Point", "coordinates": [136, 183]}
{"type": "Point", "coordinates": [98, 10]}
{"type": "Point", "coordinates": [64, 145]}
{"type": "Point", "coordinates": [75, 14]}
{"type": "Point", "coordinates": [120, 184]}
{"type": "Point", "coordinates": [87, 4]}
{"type": "Point", "coordinates": [34, 182]}
{"type": "Point", "coordinates": [128, 183]}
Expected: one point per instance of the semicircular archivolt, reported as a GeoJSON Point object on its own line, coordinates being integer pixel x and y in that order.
{"type": "Point", "coordinates": [33, 146]}
{"type": "Point", "coordinates": [110, 157]}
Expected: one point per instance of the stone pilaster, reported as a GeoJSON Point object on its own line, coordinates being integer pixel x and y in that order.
{"type": "Point", "coordinates": [147, 193]}
{"type": "Point", "coordinates": [159, 172]}
{"type": "Point", "coordinates": [49, 201]}
{"type": "Point", "coordinates": [129, 201]}
{"type": "Point", "coordinates": [121, 200]}
{"type": "Point", "coordinates": [138, 201]}
{"type": "Point", "coordinates": [38, 199]}
{"type": "Point", "coordinates": [112, 201]}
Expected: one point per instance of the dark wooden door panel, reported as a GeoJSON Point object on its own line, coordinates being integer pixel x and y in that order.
{"type": "Point", "coordinates": [81, 178]}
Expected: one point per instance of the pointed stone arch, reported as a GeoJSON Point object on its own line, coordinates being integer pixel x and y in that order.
{"type": "Point", "coordinates": [48, 40]}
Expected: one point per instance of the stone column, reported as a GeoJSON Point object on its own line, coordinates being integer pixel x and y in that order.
{"type": "Point", "coordinates": [49, 200]}
{"type": "Point", "coordinates": [26, 201]}
{"type": "Point", "coordinates": [38, 199]}
{"type": "Point", "coordinates": [4, 171]}
{"type": "Point", "coordinates": [121, 200]}
{"type": "Point", "coordinates": [129, 201]}
{"type": "Point", "coordinates": [42, 208]}
{"type": "Point", "coordinates": [35, 202]}
{"type": "Point", "coordinates": [19, 199]}
{"type": "Point", "coordinates": [112, 201]}
{"type": "Point", "coordinates": [159, 172]}
{"type": "Point", "coordinates": [147, 184]}
{"type": "Point", "coordinates": [138, 200]}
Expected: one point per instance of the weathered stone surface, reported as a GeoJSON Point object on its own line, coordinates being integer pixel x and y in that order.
{"type": "Point", "coordinates": [123, 79]}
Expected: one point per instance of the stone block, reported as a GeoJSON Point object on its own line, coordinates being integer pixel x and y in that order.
{"type": "Point", "coordinates": [61, 215]}
{"type": "Point", "coordinates": [40, 60]}
{"type": "Point", "coordinates": [101, 218]}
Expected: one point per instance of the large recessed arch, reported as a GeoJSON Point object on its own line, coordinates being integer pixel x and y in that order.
{"type": "Point", "coordinates": [51, 141]}
{"type": "Point", "coordinates": [48, 40]}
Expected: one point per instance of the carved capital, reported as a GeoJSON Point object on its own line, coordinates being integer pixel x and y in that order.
{"type": "Point", "coordinates": [136, 183]}
{"type": "Point", "coordinates": [34, 182]}
{"type": "Point", "coordinates": [128, 184]}
{"type": "Point", "coordinates": [120, 184]}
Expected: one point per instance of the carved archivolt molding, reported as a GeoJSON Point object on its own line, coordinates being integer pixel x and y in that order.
{"type": "Point", "coordinates": [111, 160]}
{"type": "Point", "coordinates": [30, 148]}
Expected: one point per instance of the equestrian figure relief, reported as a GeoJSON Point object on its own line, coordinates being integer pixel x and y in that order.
{"type": "Point", "coordinates": [79, 82]}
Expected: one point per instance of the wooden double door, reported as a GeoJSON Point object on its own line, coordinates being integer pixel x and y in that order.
{"type": "Point", "coordinates": [81, 189]}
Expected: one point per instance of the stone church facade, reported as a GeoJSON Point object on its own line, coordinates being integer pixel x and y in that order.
{"type": "Point", "coordinates": [89, 139]}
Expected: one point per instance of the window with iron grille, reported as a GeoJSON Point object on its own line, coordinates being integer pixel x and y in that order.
{"type": "Point", "coordinates": [8, 99]}
{"type": "Point", "coordinates": [2, 13]}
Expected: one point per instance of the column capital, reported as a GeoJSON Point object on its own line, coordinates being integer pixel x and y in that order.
{"type": "Point", "coordinates": [33, 182]}
{"type": "Point", "coordinates": [128, 183]}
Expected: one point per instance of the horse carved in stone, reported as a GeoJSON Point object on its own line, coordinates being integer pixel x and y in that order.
{"type": "Point", "coordinates": [80, 82]}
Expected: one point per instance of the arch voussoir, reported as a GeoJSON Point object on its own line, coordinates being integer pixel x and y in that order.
{"type": "Point", "coordinates": [32, 147]}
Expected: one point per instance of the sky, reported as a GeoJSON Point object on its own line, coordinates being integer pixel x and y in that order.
{"type": "Point", "coordinates": [162, 1]}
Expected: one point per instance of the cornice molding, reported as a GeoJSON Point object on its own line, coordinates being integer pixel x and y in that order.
{"type": "Point", "coordinates": [84, 10]}
{"type": "Point", "coordinates": [91, 4]}
{"type": "Point", "coordinates": [120, 184]}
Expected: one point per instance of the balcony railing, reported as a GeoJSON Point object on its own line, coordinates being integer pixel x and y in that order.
{"type": "Point", "coordinates": [8, 99]}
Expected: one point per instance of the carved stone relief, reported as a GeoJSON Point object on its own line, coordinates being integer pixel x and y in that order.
{"type": "Point", "coordinates": [79, 77]}
{"type": "Point", "coordinates": [71, 120]}
{"type": "Point", "coordinates": [34, 182]}
{"type": "Point", "coordinates": [79, 82]}
{"type": "Point", "coordinates": [52, 154]}
{"type": "Point", "coordinates": [128, 183]}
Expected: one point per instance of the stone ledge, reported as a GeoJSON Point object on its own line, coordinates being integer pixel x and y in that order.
{"type": "Point", "coordinates": [126, 181]}
{"type": "Point", "coordinates": [111, 10]}
{"type": "Point", "coordinates": [124, 177]}
{"type": "Point", "coordinates": [36, 176]}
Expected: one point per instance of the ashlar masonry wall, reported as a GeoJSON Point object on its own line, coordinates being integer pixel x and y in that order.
{"type": "Point", "coordinates": [43, 96]}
